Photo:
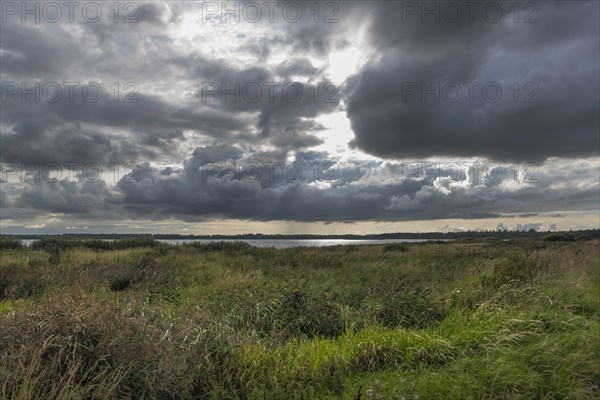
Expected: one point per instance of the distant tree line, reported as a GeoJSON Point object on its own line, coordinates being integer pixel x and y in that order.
{"type": "Point", "coordinates": [526, 234]}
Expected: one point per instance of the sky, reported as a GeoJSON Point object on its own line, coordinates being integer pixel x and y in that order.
{"type": "Point", "coordinates": [199, 117]}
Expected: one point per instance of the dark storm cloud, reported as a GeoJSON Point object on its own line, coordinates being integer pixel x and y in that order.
{"type": "Point", "coordinates": [72, 51]}
{"type": "Point", "coordinates": [140, 53]}
{"type": "Point", "coordinates": [65, 129]}
{"type": "Point", "coordinates": [285, 108]}
{"type": "Point", "coordinates": [140, 110]}
{"type": "Point", "coordinates": [172, 124]}
{"type": "Point", "coordinates": [34, 49]}
{"type": "Point", "coordinates": [210, 186]}
{"type": "Point", "coordinates": [108, 130]}
{"type": "Point", "coordinates": [70, 197]}
{"type": "Point", "coordinates": [218, 153]}
{"type": "Point", "coordinates": [49, 140]}
{"type": "Point", "coordinates": [559, 54]}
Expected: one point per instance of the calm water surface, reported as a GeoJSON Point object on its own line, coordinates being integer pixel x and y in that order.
{"type": "Point", "coordinates": [285, 243]}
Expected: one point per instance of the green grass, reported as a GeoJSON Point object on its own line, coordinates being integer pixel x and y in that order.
{"type": "Point", "coordinates": [489, 320]}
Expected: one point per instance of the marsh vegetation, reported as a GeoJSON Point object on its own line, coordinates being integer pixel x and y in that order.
{"type": "Point", "coordinates": [140, 319]}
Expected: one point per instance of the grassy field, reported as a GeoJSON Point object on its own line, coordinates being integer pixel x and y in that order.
{"type": "Point", "coordinates": [480, 320]}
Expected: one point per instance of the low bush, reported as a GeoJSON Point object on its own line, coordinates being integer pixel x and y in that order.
{"type": "Point", "coordinates": [221, 246]}
{"type": "Point", "coordinates": [50, 244]}
{"type": "Point", "coordinates": [408, 309]}
{"type": "Point", "coordinates": [7, 243]}
{"type": "Point", "coordinates": [560, 237]}
{"type": "Point", "coordinates": [17, 282]}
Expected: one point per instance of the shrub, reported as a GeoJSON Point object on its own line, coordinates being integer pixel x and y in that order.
{"type": "Point", "coordinates": [294, 315]}
{"type": "Point", "coordinates": [119, 284]}
{"type": "Point", "coordinates": [221, 246]}
{"type": "Point", "coordinates": [7, 243]}
{"type": "Point", "coordinates": [560, 237]}
{"type": "Point", "coordinates": [515, 267]}
{"type": "Point", "coordinates": [52, 243]}
{"type": "Point", "coordinates": [408, 309]}
{"type": "Point", "coordinates": [17, 282]}
{"type": "Point", "coordinates": [297, 315]}
{"type": "Point", "coordinates": [128, 243]}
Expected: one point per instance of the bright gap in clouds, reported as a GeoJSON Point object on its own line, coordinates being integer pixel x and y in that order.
{"type": "Point", "coordinates": [336, 135]}
{"type": "Point", "coordinates": [344, 63]}
{"type": "Point", "coordinates": [349, 59]}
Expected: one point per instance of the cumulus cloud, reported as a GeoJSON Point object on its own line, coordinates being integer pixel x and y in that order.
{"type": "Point", "coordinates": [197, 147]}
{"type": "Point", "coordinates": [230, 182]}
{"type": "Point", "coordinates": [425, 96]}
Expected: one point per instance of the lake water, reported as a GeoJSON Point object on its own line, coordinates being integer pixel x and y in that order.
{"type": "Point", "coordinates": [286, 243]}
